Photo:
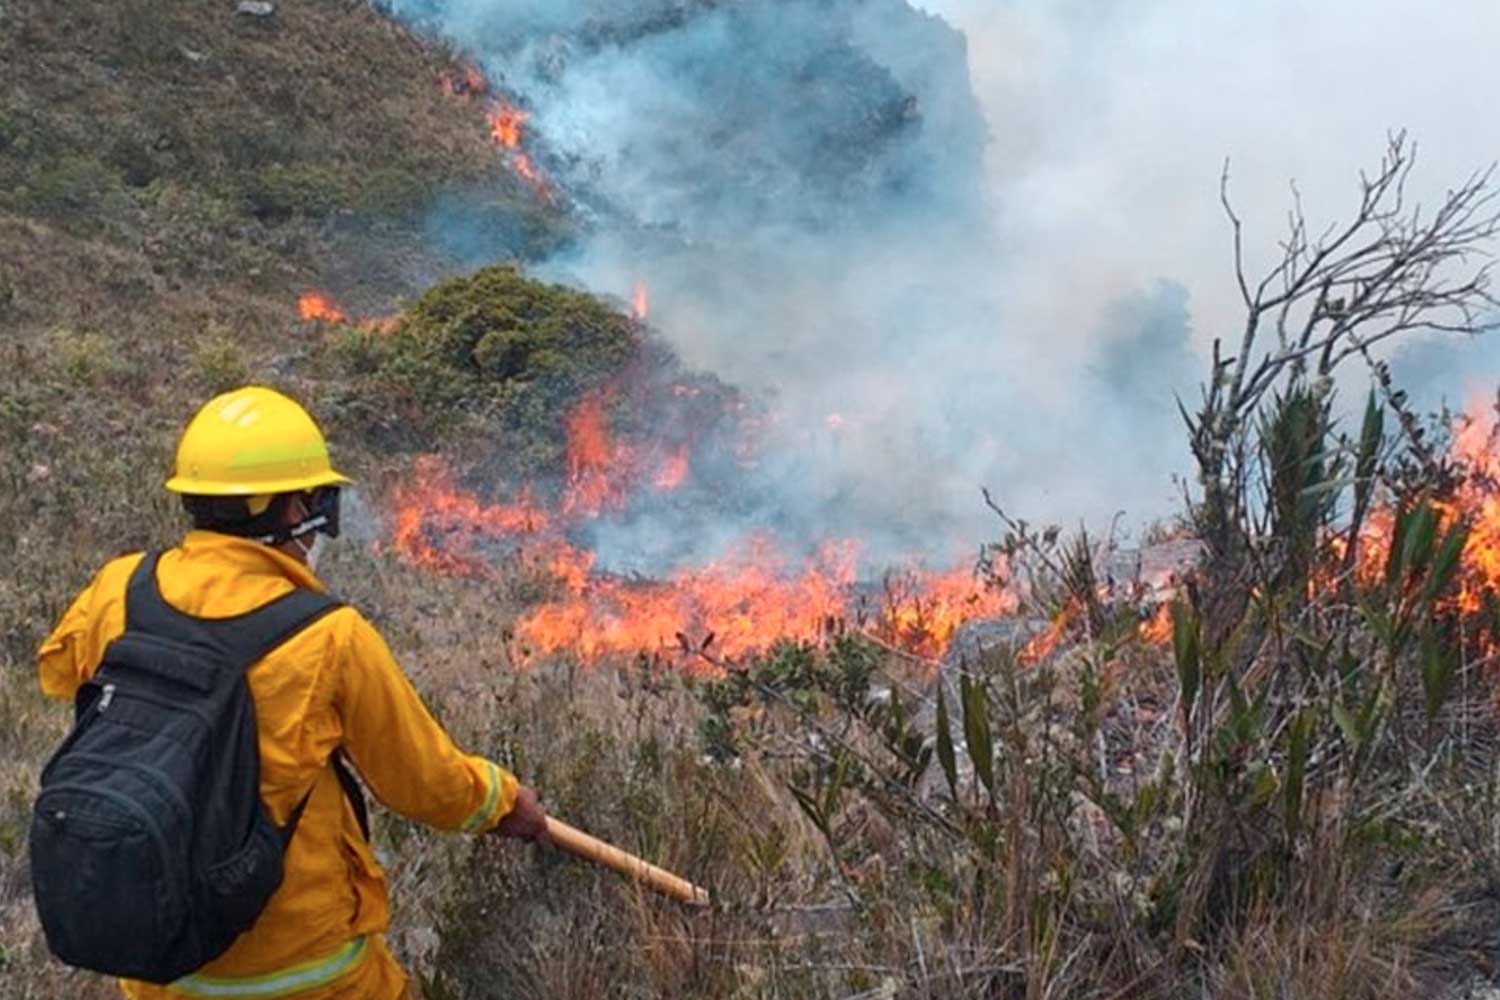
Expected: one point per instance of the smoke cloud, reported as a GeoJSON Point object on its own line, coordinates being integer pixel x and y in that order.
{"type": "Point", "coordinates": [973, 245]}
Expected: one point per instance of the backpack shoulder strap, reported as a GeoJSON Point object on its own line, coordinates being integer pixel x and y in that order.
{"type": "Point", "coordinates": [353, 793]}
{"type": "Point", "coordinates": [248, 637]}
{"type": "Point", "coordinates": [147, 611]}
{"type": "Point", "coordinates": [242, 639]}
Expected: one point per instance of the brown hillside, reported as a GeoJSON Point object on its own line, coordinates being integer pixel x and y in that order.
{"type": "Point", "coordinates": [172, 176]}
{"type": "Point", "coordinates": [179, 159]}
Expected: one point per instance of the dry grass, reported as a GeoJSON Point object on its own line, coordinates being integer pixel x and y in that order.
{"type": "Point", "coordinates": [171, 178]}
{"type": "Point", "coordinates": [159, 213]}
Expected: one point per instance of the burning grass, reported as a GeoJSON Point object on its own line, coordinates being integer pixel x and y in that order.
{"type": "Point", "coordinates": [1288, 794]}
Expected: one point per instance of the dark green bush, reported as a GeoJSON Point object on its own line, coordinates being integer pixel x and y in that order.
{"type": "Point", "coordinates": [146, 36]}
{"type": "Point", "coordinates": [494, 347]}
{"type": "Point", "coordinates": [282, 192]}
{"type": "Point", "coordinates": [72, 186]}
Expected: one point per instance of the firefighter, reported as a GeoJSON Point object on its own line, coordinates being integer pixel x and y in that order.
{"type": "Point", "coordinates": [254, 475]}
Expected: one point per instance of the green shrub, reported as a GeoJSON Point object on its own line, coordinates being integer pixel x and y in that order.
{"type": "Point", "coordinates": [219, 362]}
{"type": "Point", "coordinates": [251, 146]}
{"type": "Point", "coordinates": [88, 359]}
{"type": "Point", "coordinates": [392, 191]}
{"type": "Point", "coordinates": [494, 347]}
{"type": "Point", "coordinates": [146, 36]}
{"type": "Point", "coordinates": [73, 186]}
{"type": "Point", "coordinates": [133, 160]}
{"type": "Point", "coordinates": [279, 192]}
{"type": "Point", "coordinates": [10, 131]}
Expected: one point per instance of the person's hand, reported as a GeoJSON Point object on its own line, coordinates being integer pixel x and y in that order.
{"type": "Point", "coordinates": [526, 819]}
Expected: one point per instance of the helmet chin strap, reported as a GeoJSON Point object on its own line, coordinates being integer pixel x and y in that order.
{"type": "Point", "coordinates": [319, 514]}
{"type": "Point", "coordinates": [306, 547]}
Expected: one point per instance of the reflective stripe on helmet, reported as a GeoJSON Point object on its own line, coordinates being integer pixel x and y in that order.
{"type": "Point", "coordinates": [254, 458]}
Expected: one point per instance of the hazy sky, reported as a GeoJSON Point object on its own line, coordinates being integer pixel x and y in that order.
{"type": "Point", "coordinates": [1111, 123]}
{"type": "Point", "coordinates": [1036, 349]}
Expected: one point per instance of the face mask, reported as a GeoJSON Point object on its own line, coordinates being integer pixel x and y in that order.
{"type": "Point", "coordinates": [315, 551]}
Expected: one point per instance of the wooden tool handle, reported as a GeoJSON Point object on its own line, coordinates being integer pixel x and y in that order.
{"type": "Point", "coordinates": [575, 841]}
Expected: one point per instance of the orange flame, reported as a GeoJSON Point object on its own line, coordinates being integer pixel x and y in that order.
{"type": "Point", "coordinates": [1478, 501]}
{"type": "Point", "coordinates": [640, 302]}
{"type": "Point", "coordinates": [319, 307]}
{"type": "Point", "coordinates": [1475, 456]}
{"type": "Point", "coordinates": [674, 472]}
{"type": "Point", "coordinates": [506, 127]}
{"type": "Point", "coordinates": [436, 523]}
{"type": "Point", "coordinates": [1158, 630]}
{"type": "Point", "coordinates": [1045, 643]}
{"type": "Point", "coordinates": [505, 124]}
{"type": "Point", "coordinates": [726, 610]}
{"type": "Point", "coordinates": [464, 80]}
{"type": "Point", "coordinates": [598, 466]}
{"type": "Point", "coordinates": [742, 604]}
{"type": "Point", "coordinates": [922, 611]}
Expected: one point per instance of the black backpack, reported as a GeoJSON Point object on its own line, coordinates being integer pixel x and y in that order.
{"type": "Point", "coordinates": [151, 849]}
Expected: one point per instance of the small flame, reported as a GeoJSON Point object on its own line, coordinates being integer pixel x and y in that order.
{"type": "Point", "coordinates": [317, 306]}
{"type": "Point", "coordinates": [505, 124]}
{"type": "Point", "coordinates": [598, 466]}
{"type": "Point", "coordinates": [435, 522]}
{"type": "Point", "coordinates": [1045, 643]}
{"type": "Point", "coordinates": [527, 171]}
{"type": "Point", "coordinates": [640, 302]}
{"type": "Point", "coordinates": [674, 472]}
{"type": "Point", "coordinates": [1158, 629]}
{"type": "Point", "coordinates": [507, 128]}
{"type": "Point", "coordinates": [464, 80]}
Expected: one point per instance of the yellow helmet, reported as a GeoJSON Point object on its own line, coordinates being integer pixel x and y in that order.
{"type": "Point", "coordinates": [252, 441]}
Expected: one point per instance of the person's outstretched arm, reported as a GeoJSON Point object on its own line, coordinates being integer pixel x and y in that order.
{"type": "Point", "coordinates": [407, 757]}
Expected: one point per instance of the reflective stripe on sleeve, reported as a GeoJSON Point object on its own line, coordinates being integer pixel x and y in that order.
{"type": "Point", "coordinates": [286, 982]}
{"type": "Point", "coordinates": [486, 811]}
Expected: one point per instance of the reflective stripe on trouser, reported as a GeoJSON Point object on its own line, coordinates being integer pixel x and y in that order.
{"type": "Point", "coordinates": [284, 983]}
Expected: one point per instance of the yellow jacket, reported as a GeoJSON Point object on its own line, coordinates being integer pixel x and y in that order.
{"type": "Point", "coordinates": [333, 685]}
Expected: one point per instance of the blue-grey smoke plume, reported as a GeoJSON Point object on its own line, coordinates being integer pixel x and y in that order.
{"type": "Point", "coordinates": [935, 245]}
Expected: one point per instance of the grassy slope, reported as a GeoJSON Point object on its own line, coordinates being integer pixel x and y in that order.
{"type": "Point", "coordinates": [159, 213]}
{"type": "Point", "coordinates": [171, 178]}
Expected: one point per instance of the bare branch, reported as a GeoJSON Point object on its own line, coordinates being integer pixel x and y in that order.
{"type": "Point", "coordinates": [1393, 268]}
{"type": "Point", "coordinates": [1234, 221]}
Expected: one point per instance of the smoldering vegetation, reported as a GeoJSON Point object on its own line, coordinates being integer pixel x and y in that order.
{"type": "Point", "coordinates": [803, 188]}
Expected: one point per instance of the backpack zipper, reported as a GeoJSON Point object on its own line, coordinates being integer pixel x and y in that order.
{"type": "Point", "coordinates": [147, 824]}
{"type": "Point", "coordinates": [151, 777]}
{"type": "Point", "coordinates": [134, 692]}
{"type": "Point", "coordinates": [109, 696]}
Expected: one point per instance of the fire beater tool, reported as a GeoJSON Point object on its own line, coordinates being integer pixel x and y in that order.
{"type": "Point", "coordinates": [580, 844]}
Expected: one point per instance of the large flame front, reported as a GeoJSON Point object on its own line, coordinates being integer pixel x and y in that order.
{"type": "Point", "coordinates": [740, 604]}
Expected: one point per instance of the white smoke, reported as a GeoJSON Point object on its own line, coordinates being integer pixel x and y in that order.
{"type": "Point", "coordinates": [808, 190]}
{"type": "Point", "coordinates": [1124, 115]}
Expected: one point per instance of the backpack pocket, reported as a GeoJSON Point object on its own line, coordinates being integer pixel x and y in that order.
{"type": "Point", "coordinates": [238, 887]}
{"type": "Point", "coordinates": [99, 848]}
